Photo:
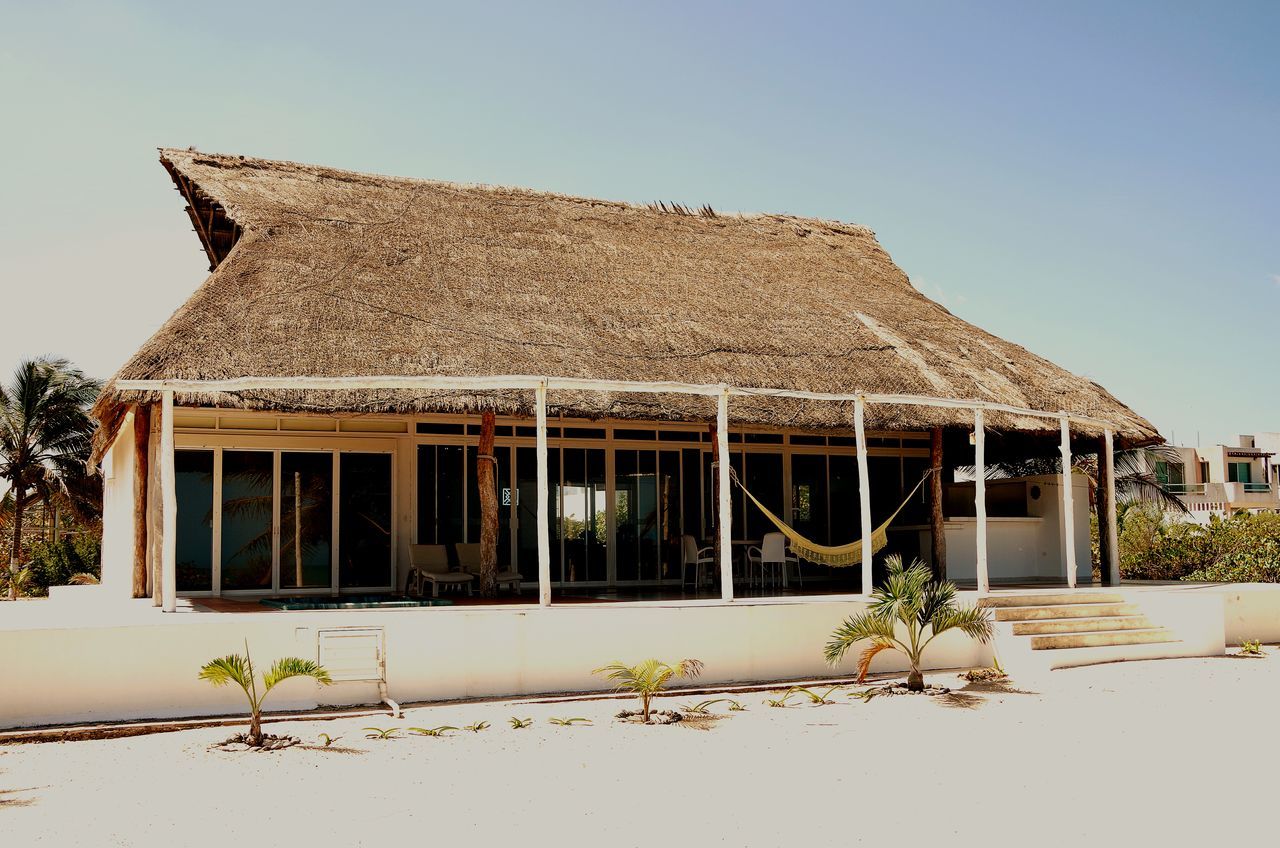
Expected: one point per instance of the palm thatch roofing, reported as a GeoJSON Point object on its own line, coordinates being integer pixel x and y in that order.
{"type": "Point", "coordinates": [322, 272]}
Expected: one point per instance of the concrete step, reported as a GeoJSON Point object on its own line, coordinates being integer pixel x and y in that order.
{"type": "Point", "coordinates": [1059, 641]}
{"type": "Point", "coordinates": [1040, 613]}
{"type": "Point", "coordinates": [1073, 657]}
{"type": "Point", "coordinates": [1081, 625]}
{"type": "Point", "coordinates": [1045, 599]}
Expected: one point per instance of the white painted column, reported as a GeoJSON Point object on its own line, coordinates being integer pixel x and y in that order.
{"type": "Point", "coordinates": [725, 521]}
{"type": "Point", "coordinates": [168, 509]}
{"type": "Point", "coordinates": [544, 530]}
{"type": "Point", "coordinates": [980, 497]}
{"type": "Point", "coordinates": [864, 493]}
{"type": "Point", "coordinates": [1068, 505]}
{"type": "Point", "coordinates": [1113, 535]}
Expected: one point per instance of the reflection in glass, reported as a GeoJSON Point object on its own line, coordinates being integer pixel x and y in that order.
{"type": "Point", "coordinates": [247, 478]}
{"type": "Point", "coordinates": [527, 511]}
{"type": "Point", "coordinates": [306, 512]}
{"type": "Point", "coordinates": [584, 526]}
{"type": "Point", "coordinates": [636, 505]}
{"type": "Point", "coordinates": [364, 516]}
{"type": "Point", "coordinates": [809, 496]}
{"type": "Point", "coordinates": [193, 483]}
{"type": "Point", "coordinates": [764, 480]}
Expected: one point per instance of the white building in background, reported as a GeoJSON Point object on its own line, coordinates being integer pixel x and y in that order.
{"type": "Point", "coordinates": [1225, 479]}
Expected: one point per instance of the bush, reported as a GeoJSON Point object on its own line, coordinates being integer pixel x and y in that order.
{"type": "Point", "coordinates": [1242, 548]}
{"type": "Point", "coordinates": [53, 563]}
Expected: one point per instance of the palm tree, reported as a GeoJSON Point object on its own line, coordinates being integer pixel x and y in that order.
{"type": "Point", "coordinates": [45, 431]}
{"type": "Point", "coordinates": [926, 609]}
{"type": "Point", "coordinates": [648, 678]}
{"type": "Point", "coordinates": [238, 669]}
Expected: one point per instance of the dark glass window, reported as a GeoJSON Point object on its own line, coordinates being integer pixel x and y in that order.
{"type": "Point", "coordinates": [635, 435]}
{"type": "Point", "coordinates": [764, 480]}
{"type": "Point", "coordinates": [436, 428]}
{"type": "Point", "coordinates": [247, 478]}
{"type": "Point", "coordinates": [808, 440]}
{"type": "Point", "coordinates": [764, 438]}
{"type": "Point", "coordinates": [677, 436]}
{"type": "Point", "coordinates": [809, 496]}
{"type": "Point", "coordinates": [306, 513]}
{"type": "Point", "coordinates": [845, 511]}
{"type": "Point", "coordinates": [451, 476]}
{"type": "Point", "coordinates": [691, 459]}
{"type": "Point", "coordinates": [842, 441]}
{"type": "Point", "coordinates": [193, 483]}
{"type": "Point", "coordinates": [364, 515]}
{"type": "Point", "coordinates": [584, 525]}
{"type": "Point", "coordinates": [583, 433]}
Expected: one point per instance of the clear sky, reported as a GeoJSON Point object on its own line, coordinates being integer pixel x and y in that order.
{"type": "Point", "coordinates": [1096, 181]}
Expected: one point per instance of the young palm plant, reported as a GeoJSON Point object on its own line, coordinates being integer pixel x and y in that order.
{"type": "Point", "coordinates": [648, 678]}
{"type": "Point", "coordinates": [925, 609]}
{"type": "Point", "coordinates": [238, 669]}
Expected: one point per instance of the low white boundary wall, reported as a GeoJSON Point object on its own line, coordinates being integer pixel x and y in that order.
{"type": "Point", "coordinates": [76, 672]}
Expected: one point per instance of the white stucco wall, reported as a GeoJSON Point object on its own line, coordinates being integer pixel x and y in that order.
{"type": "Point", "coordinates": [147, 669]}
{"type": "Point", "coordinates": [118, 469]}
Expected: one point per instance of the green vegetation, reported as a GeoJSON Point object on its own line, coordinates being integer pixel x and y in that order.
{"type": "Point", "coordinates": [1244, 548]}
{"type": "Point", "coordinates": [476, 727]}
{"type": "Point", "coordinates": [430, 731]}
{"type": "Point", "coordinates": [383, 733]}
{"type": "Point", "coordinates": [1251, 648]}
{"type": "Point", "coordinates": [925, 609]}
{"type": "Point", "coordinates": [45, 434]}
{"type": "Point", "coordinates": [568, 722]}
{"type": "Point", "coordinates": [238, 669]}
{"type": "Point", "coordinates": [648, 678]}
{"type": "Point", "coordinates": [783, 701]}
{"type": "Point", "coordinates": [518, 723]}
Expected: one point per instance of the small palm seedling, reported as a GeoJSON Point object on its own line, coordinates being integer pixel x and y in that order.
{"type": "Point", "coordinates": [569, 722]}
{"type": "Point", "coordinates": [476, 727]}
{"type": "Point", "coordinates": [518, 723]}
{"type": "Point", "coordinates": [702, 707]}
{"type": "Point", "coordinates": [1251, 648]}
{"type": "Point", "coordinates": [783, 701]}
{"type": "Point", "coordinates": [865, 695]}
{"type": "Point", "coordinates": [648, 678]}
{"type": "Point", "coordinates": [432, 731]}
{"type": "Point", "coordinates": [814, 697]}
{"type": "Point", "coordinates": [382, 733]}
{"type": "Point", "coordinates": [238, 669]}
{"type": "Point", "coordinates": [925, 609]}
{"type": "Point", "coordinates": [326, 740]}
{"type": "Point", "coordinates": [736, 707]}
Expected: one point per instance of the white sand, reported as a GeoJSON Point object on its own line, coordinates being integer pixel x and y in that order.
{"type": "Point", "coordinates": [1181, 752]}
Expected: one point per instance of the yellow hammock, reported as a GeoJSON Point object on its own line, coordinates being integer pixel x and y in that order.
{"type": "Point", "coordinates": [834, 555]}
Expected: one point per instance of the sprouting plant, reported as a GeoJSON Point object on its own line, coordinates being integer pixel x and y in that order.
{"type": "Point", "coordinates": [326, 740]}
{"type": "Point", "coordinates": [519, 723]}
{"type": "Point", "coordinates": [569, 722]}
{"type": "Point", "coordinates": [381, 732]}
{"type": "Point", "coordinates": [814, 697]}
{"type": "Point", "coordinates": [865, 694]}
{"type": "Point", "coordinates": [476, 727]}
{"type": "Point", "coordinates": [782, 701]}
{"type": "Point", "coordinates": [238, 669]}
{"type": "Point", "coordinates": [1251, 648]}
{"type": "Point", "coordinates": [926, 609]}
{"type": "Point", "coordinates": [736, 707]}
{"type": "Point", "coordinates": [648, 678]}
{"type": "Point", "coordinates": [702, 707]}
{"type": "Point", "coordinates": [432, 731]}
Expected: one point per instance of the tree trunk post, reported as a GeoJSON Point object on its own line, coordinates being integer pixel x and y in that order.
{"type": "Point", "coordinates": [937, 529]}
{"type": "Point", "coordinates": [1105, 506]}
{"type": "Point", "coordinates": [487, 486]}
{"type": "Point", "coordinates": [141, 438]}
{"type": "Point", "coordinates": [15, 554]}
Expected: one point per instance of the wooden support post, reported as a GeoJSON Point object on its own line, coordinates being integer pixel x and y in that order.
{"type": "Point", "coordinates": [1110, 564]}
{"type": "Point", "coordinates": [486, 484]}
{"type": "Point", "coordinates": [864, 494]}
{"type": "Point", "coordinates": [726, 516]}
{"type": "Point", "coordinates": [544, 530]}
{"type": "Point", "coordinates": [1068, 504]}
{"type": "Point", "coordinates": [980, 498]}
{"type": "Point", "coordinates": [937, 527]}
{"type": "Point", "coordinates": [168, 509]}
{"type": "Point", "coordinates": [141, 439]}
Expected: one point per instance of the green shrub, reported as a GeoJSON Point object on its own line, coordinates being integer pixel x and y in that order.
{"type": "Point", "coordinates": [1242, 548]}
{"type": "Point", "coordinates": [54, 563]}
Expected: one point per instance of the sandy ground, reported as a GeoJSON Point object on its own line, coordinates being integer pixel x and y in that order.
{"type": "Point", "coordinates": [1177, 752]}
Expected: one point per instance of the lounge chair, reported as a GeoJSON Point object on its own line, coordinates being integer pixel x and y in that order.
{"type": "Point", "coordinates": [469, 560]}
{"type": "Point", "coordinates": [430, 564]}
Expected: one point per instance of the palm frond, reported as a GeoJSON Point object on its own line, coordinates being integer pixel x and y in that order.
{"type": "Point", "coordinates": [868, 654]}
{"type": "Point", "coordinates": [229, 669]}
{"type": "Point", "coordinates": [287, 667]}
{"type": "Point", "coordinates": [858, 628]}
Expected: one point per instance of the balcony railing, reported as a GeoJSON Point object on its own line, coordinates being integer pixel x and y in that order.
{"type": "Point", "coordinates": [1258, 488]}
{"type": "Point", "coordinates": [1185, 488]}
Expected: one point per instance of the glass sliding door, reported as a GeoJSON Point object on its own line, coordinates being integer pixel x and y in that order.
{"type": "Point", "coordinates": [670, 507]}
{"type": "Point", "coordinates": [584, 526]}
{"type": "Point", "coordinates": [193, 482]}
{"type": "Point", "coordinates": [636, 509]}
{"type": "Point", "coordinates": [527, 511]}
{"type": "Point", "coordinates": [247, 511]}
{"type": "Point", "coordinates": [809, 497]}
{"type": "Point", "coordinates": [306, 520]}
{"type": "Point", "coordinates": [844, 509]}
{"type": "Point", "coordinates": [764, 480]}
{"type": "Point", "coordinates": [365, 522]}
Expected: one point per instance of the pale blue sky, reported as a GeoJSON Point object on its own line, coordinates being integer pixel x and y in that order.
{"type": "Point", "coordinates": [1097, 181]}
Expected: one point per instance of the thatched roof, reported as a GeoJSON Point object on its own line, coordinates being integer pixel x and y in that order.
{"type": "Point", "coordinates": [321, 272]}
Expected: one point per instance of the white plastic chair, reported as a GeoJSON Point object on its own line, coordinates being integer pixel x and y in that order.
{"type": "Point", "coordinates": [772, 553]}
{"type": "Point", "coordinates": [469, 560]}
{"type": "Point", "coordinates": [430, 564]}
{"type": "Point", "coordinates": [692, 555]}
